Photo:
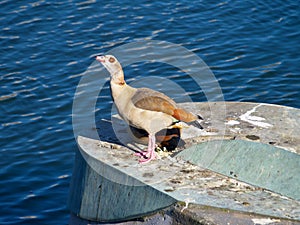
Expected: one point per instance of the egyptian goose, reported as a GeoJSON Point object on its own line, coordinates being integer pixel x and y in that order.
{"type": "Point", "coordinates": [144, 108]}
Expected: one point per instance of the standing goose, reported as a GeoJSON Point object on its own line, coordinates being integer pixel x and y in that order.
{"type": "Point", "coordinates": [144, 108]}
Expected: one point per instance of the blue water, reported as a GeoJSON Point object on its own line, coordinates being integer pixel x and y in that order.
{"type": "Point", "coordinates": [252, 48]}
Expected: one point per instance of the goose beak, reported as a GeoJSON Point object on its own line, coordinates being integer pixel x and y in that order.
{"type": "Point", "coordinates": [100, 58]}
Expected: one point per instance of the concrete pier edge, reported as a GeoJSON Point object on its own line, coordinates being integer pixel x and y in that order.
{"type": "Point", "coordinates": [107, 182]}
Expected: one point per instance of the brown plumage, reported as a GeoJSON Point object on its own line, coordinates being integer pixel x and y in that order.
{"type": "Point", "coordinates": [149, 99]}
{"type": "Point", "coordinates": [144, 108]}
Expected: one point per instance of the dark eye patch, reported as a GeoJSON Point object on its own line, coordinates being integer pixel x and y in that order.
{"type": "Point", "coordinates": [111, 60]}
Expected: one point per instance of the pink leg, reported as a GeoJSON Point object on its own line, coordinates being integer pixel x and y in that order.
{"type": "Point", "coordinates": [150, 153]}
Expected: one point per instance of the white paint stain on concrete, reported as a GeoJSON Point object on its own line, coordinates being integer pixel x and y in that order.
{"type": "Point", "coordinates": [255, 120]}
{"type": "Point", "coordinates": [264, 221]}
{"type": "Point", "coordinates": [232, 122]}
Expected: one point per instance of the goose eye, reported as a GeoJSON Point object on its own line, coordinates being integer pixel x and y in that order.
{"type": "Point", "coordinates": [111, 60]}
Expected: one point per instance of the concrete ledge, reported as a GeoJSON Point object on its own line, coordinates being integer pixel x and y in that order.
{"type": "Point", "coordinates": [109, 185]}
{"type": "Point", "coordinates": [196, 215]}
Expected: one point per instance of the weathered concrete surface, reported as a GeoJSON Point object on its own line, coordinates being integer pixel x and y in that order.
{"type": "Point", "coordinates": [265, 123]}
{"type": "Point", "coordinates": [177, 214]}
{"type": "Point", "coordinates": [185, 182]}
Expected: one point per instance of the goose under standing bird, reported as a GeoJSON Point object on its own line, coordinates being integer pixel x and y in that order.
{"type": "Point", "coordinates": [144, 108]}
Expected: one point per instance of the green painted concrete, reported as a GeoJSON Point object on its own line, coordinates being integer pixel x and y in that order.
{"type": "Point", "coordinates": [255, 163]}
